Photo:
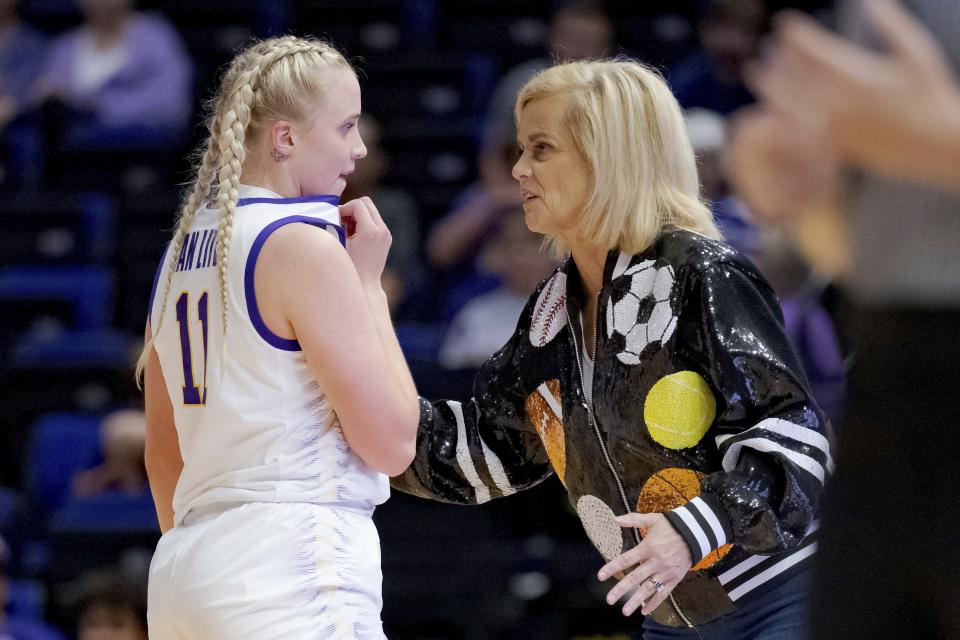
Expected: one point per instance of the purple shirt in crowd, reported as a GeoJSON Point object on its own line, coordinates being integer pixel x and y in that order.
{"type": "Point", "coordinates": [152, 87]}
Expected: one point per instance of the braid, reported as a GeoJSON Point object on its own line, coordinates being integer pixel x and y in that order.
{"type": "Point", "coordinates": [225, 151]}
{"type": "Point", "coordinates": [232, 155]}
{"type": "Point", "coordinates": [198, 196]}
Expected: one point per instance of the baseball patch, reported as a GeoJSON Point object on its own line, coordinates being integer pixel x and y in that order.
{"type": "Point", "coordinates": [550, 312]}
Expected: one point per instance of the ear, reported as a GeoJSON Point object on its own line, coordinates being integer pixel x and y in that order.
{"type": "Point", "coordinates": [281, 137]}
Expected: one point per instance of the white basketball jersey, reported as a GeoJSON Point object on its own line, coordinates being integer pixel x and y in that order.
{"type": "Point", "coordinates": [252, 421]}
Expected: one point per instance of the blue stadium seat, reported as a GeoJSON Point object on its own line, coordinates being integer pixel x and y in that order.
{"type": "Point", "coordinates": [108, 349]}
{"type": "Point", "coordinates": [61, 444]}
{"type": "Point", "coordinates": [56, 228]}
{"type": "Point", "coordinates": [108, 511]}
{"type": "Point", "coordinates": [86, 291]}
{"type": "Point", "coordinates": [27, 599]}
{"type": "Point", "coordinates": [29, 629]}
{"type": "Point", "coordinates": [108, 527]}
{"type": "Point", "coordinates": [84, 372]}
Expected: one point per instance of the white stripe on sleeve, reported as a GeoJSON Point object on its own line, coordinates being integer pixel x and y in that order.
{"type": "Point", "coordinates": [463, 455]}
{"type": "Point", "coordinates": [497, 472]}
{"type": "Point", "coordinates": [803, 461]}
{"type": "Point", "coordinates": [767, 574]}
{"type": "Point", "coordinates": [695, 529]}
{"type": "Point", "coordinates": [711, 519]}
{"type": "Point", "coordinates": [789, 430]}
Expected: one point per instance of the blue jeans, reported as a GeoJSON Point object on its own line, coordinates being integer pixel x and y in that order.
{"type": "Point", "coordinates": [778, 614]}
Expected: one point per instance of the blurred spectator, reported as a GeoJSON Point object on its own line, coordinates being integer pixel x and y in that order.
{"type": "Point", "coordinates": [809, 326]}
{"type": "Point", "coordinates": [403, 274]}
{"type": "Point", "coordinates": [108, 606]}
{"type": "Point", "coordinates": [712, 77]}
{"type": "Point", "coordinates": [21, 52]}
{"type": "Point", "coordinates": [458, 238]}
{"type": "Point", "coordinates": [891, 118]}
{"type": "Point", "coordinates": [120, 68]}
{"type": "Point", "coordinates": [123, 438]}
{"type": "Point", "coordinates": [14, 627]}
{"type": "Point", "coordinates": [485, 323]}
{"type": "Point", "coordinates": [708, 135]}
{"type": "Point", "coordinates": [579, 29]}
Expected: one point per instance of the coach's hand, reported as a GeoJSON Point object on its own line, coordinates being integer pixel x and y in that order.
{"type": "Point", "coordinates": [661, 558]}
{"type": "Point", "coordinates": [368, 239]}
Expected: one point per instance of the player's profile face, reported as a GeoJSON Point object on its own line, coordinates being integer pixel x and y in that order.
{"type": "Point", "coordinates": [553, 174]}
{"type": "Point", "coordinates": [328, 148]}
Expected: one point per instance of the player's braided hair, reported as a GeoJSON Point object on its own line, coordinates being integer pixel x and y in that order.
{"type": "Point", "coordinates": [270, 80]}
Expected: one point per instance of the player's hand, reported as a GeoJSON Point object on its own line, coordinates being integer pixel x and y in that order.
{"type": "Point", "coordinates": [661, 557]}
{"type": "Point", "coordinates": [368, 239]}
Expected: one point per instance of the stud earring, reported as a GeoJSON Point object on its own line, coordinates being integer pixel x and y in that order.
{"type": "Point", "coordinates": [277, 156]}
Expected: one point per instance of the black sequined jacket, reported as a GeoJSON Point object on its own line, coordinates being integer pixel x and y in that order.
{"type": "Point", "coordinates": [699, 410]}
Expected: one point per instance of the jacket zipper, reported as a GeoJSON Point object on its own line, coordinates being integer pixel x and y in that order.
{"type": "Point", "coordinates": [596, 430]}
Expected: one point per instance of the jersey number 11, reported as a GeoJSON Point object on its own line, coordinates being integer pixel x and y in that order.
{"type": "Point", "coordinates": [192, 394]}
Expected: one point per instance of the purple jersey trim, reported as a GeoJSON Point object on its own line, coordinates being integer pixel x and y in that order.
{"type": "Point", "coordinates": [334, 200]}
{"type": "Point", "coordinates": [248, 282]}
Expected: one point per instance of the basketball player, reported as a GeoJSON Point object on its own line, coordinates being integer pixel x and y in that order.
{"type": "Point", "coordinates": [277, 397]}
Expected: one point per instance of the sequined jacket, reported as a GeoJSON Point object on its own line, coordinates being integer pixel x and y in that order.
{"type": "Point", "coordinates": [700, 411]}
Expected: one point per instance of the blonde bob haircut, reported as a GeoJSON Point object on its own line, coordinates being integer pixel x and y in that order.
{"type": "Point", "coordinates": [631, 131]}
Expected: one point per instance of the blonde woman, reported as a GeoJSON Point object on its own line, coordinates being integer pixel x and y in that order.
{"type": "Point", "coordinates": [650, 372]}
{"type": "Point", "coordinates": [269, 441]}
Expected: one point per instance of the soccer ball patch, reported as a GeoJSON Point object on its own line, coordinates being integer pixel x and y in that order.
{"type": "Point", "coordinates": [641, 315]}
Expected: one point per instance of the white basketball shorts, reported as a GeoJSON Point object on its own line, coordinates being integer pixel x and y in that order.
{"type": "Point", "coordinates": [268, 571]}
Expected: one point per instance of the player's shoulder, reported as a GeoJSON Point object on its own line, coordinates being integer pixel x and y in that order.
{"type": "Point", "coordinates": [303, 244]}
{"type": "Point", "coordinates": [257, 219]}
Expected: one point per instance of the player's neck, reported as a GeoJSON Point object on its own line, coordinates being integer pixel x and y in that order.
{"type": "Point", "coordinates": [267, 177]}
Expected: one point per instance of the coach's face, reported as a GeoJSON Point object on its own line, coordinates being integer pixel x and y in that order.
{"type": "Point", "coordinates": [553, 174]}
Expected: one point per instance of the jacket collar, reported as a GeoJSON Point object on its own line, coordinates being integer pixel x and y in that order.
{"type": "Point", "coordinates": [616, 263]}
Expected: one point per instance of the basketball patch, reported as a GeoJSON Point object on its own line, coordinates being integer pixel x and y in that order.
{"type": "Point", "coordinates": [671, 488]}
